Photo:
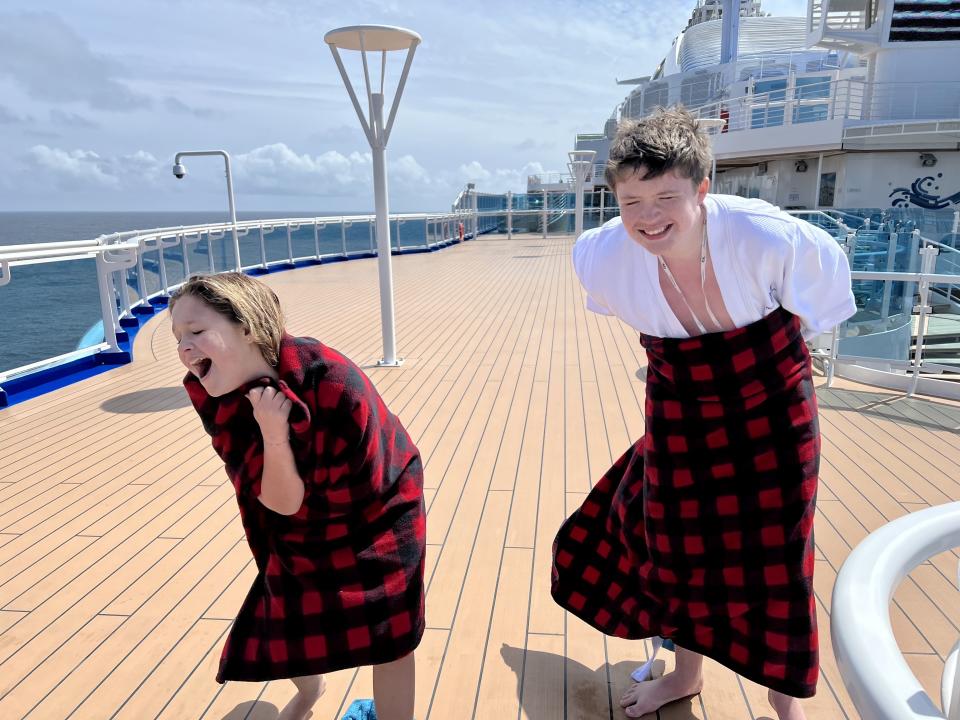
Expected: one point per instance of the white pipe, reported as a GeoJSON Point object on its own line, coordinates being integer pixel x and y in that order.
{"type": "Point", "coordinates": [874, 671]}
{"type": "Point", "coordinates": [230, 201]}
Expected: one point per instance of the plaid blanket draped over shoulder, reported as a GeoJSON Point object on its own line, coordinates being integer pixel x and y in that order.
{"type": "Point", "coordinates": [702, 532]}
{"type": "Point", "coordinates": [339, 583]}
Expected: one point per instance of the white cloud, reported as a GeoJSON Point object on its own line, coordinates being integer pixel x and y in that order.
{"type": "Point", "coordinates": [80, 169]}
{"type": "Point", "coordinates": [330, 180]}
{"type": "Point", "coordinates": [72, 168]}
{"type": "Point", "coordinates": [407, 170]}
{"type": "Point", "coordinates": [499, 180]}
{"type": "Point", "coordinates": [276, 169]}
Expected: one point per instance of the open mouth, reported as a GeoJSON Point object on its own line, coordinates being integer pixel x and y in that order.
{"type": "Point", "coordinates": [655, 233]}
{"type": "Point", "coordinates": [201, 367]}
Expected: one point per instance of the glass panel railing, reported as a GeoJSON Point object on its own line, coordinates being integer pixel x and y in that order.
{"type": "Point", "coordinates": [880, 251]}
{"type": "Point", "coordinates": [274, 243]}
{"type": "Point", "coordinates": [592, 218]}
{"type": "Point", "coordinates": [302, 241]}
{"type": "Point", "coordinates": [810, 113]}
{"type": "Point", "coordinates": [249, 247]}
{"type": "Point", "coordinates": [328, 236]}
{"type": "Point", "coordinates": [882, 327]}
{"type": "Point", "coordinates": [360, 236]}
{"type": "Point", "coordinates": [806, 88]}
{"type": "Point", "coordinates": [941, 346]}
{"type": "Point", "coordinates": [766, 116]}
{"type": "Point", "coordinates": [776, 89]}
{"type": "Point", "coordinates": [50, 322]}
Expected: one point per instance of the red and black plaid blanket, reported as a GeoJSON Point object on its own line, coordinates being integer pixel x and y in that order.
{"type": "Point", "coordinates": [703, 531]}
{"type": "Point", "coordinates": [340, 583]}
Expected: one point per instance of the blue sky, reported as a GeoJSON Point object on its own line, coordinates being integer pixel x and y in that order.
{"type": "Point", "coordinates": [96, 97]}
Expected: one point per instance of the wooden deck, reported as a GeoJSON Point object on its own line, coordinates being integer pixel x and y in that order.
{"type": "Point", "coordinates": [122, 559]}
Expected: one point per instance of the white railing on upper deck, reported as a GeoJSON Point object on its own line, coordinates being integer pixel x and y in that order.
{"type": "Point", "coordinates": [847, 99]}
{"type": "Point", "coordinates": [536, 182]}
{"type": "Point", "coordinates": [874, 671]}
{"type": "Point", "coordinates": [550, 178]}
{"type": "Point", "coordinates": [841, 15]}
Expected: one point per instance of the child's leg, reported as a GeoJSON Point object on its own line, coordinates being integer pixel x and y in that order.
{"type": "Point", "coordinates": [685, 680]}
{"type": "Point", "coordinates": [787, 708]}
{"type": "Point", "coordinates": [309, 690]}
{"type": "Point", "coordinates": [393, 689]}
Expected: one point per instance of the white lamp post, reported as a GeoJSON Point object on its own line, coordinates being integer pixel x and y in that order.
{"type": "Point", "coordinates": [382, 39]}
{"type": "Point", "coordinates": [179, 171]}
{"type": "Point", "coordinates": [581, 165]}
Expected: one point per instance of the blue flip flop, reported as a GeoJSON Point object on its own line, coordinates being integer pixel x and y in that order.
{"type": "Point", "coordinates": [361, 710]}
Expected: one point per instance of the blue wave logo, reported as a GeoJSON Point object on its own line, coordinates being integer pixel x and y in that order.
{"type": "Point", "coordinates": [919, 194]}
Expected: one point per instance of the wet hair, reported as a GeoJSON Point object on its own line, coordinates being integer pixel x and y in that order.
{"type": "Point", "coordinates": [244, 301]}
{"type": "Point", "coordinates": [669, 139]}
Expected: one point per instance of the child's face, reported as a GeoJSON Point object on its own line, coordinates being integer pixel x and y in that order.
{"type": "Point", "coordinates": [220, 353]}
{"type": "Point", "coordinates": [661, 212]}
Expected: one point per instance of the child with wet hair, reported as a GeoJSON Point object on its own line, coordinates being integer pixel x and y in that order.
{"type": "Point", "coordinates": [702, 532]}
{"type": "Point", "coordinates": [330, 490]}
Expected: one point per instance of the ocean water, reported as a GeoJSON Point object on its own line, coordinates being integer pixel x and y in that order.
{"type": "Point", "coordinates": [47, 308]}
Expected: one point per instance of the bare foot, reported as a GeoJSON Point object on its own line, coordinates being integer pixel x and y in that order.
{"type": "Point", "coordinates": [651, 695]}
{"type": "Point", "coordinates": [309, 690]}
{"type": "Point", "coordinates": [786, 707]}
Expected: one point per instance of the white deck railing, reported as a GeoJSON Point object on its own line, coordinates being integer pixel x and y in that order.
{"type": "Point", "coordinates": [875, 673]}
{"type": "Point", "coordinates": [856, 101]}
{"type": "Point", "coordinates": [117, 253]}
{"type": "Point", "coordinates": [122, 297]}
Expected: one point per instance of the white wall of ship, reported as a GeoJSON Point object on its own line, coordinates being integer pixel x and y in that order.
{"type": "Point", "coordinates": [863, 180]}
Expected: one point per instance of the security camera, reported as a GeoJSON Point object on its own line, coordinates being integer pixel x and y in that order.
{"type": "Point", "coordinates": [179, 171]}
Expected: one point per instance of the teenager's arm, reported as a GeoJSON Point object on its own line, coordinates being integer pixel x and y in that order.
{"type": "Point", "coordinates": [815, 284]}
{"type": "Point", "coordinates": [281, 487]}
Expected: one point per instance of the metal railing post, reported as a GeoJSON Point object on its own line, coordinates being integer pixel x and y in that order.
{"type": "Point", "coordinates": [509, 215]}
{"type": "Point", "coordinates": [474, 208]}
{"type": "Point", "coordinates": [263, 248]}
{"type": "Point", "coordinates": [186, 256]}
{"type": "Point", "coordinates": [928, 256]}
{"type": "Point", "coordinates": [544, 214]}
{"type": "Point", "coordinates": [162, 266]}
{"type": "Point", "coordinates": [106, 267]}
{"type": "Point", "coordinates": [141, 277]}
{"type": "Point", "coordinates": [210, 252]}
{"type": "Point", "coordinates": [888, 284]}
{"type": "Point", "coordinates": [107, 311]}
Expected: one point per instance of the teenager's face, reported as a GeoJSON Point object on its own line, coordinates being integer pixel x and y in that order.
{"type": "Point", "coordinates": [661, 212]}
{"type": "Point", "coordinates": [220, 353]}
